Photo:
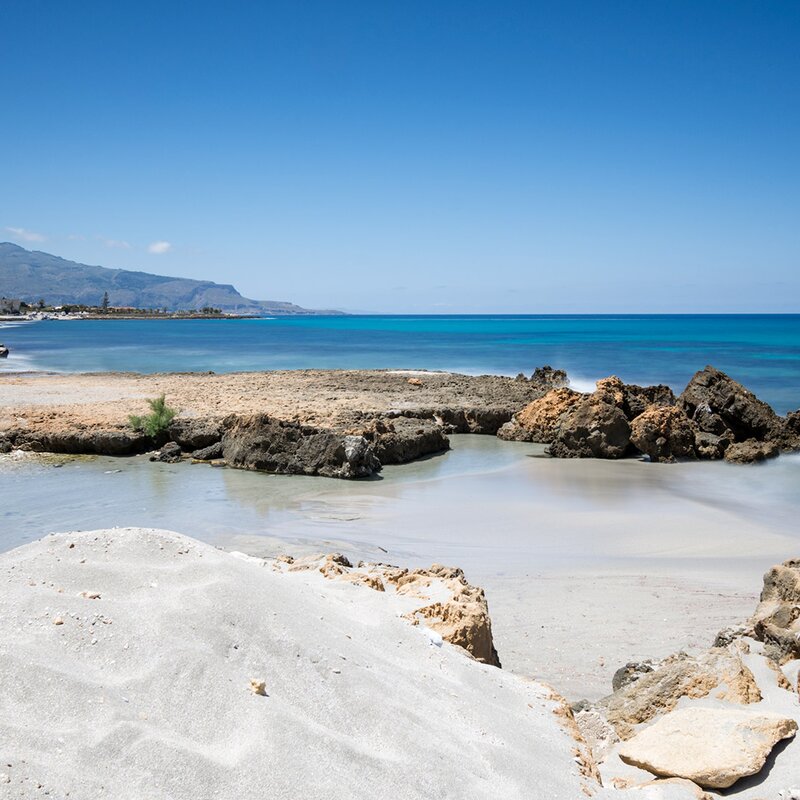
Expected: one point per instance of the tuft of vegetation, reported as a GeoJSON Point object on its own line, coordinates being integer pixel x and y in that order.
{"type": "Point", "coordinates": [155, 424]}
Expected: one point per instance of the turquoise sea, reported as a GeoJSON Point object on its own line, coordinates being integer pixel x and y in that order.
{"type": "Point", "coordinates": [761, 351]}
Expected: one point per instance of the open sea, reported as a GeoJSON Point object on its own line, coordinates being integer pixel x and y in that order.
{"type": "Point", "coordinates": [761, 351]}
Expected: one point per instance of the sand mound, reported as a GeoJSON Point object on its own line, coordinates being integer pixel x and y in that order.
{"type": "Point", "coordinates": [140, 663]}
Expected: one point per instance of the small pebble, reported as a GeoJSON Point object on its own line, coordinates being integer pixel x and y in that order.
{"type": "Point", "coordinates": [258, 687]}
{"type": "Point", "coordinates": [58, 621]}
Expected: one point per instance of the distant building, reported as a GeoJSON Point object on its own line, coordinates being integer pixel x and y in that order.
{"type": "Point", "coordinates": [9, 306]}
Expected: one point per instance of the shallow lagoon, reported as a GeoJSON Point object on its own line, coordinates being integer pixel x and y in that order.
{"type": "Point", "coordinates": [629, 559]}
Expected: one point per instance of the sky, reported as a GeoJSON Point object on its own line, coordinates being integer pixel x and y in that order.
{"type": "Point", "coordinates": [414, 157]}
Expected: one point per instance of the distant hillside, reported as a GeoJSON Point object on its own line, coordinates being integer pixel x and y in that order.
{"type": "Point", "coordinates": [30, 275]}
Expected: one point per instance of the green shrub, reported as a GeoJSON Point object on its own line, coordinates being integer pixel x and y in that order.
{"type": "Point", "coordinates": [155, 424]}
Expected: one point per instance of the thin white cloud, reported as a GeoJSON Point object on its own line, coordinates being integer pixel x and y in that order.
{"type": "Point", "coordinates": [26, 235]}
{"type": "Point", "coordinates": [76, 237]}
{"type": "Point", "coordinates": [116, 244]}
{"type": "Point", "coordinates": [159, 248]}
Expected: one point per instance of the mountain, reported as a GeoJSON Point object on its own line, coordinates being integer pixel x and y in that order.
{"type": "Point", "coordinates": [30, 275]}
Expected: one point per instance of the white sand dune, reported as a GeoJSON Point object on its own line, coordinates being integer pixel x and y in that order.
{"type": "Point", "coordinates": [143, 691]}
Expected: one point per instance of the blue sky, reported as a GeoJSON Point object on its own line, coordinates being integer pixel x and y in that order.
{"type": "Point", "coordinates": [415, 157]}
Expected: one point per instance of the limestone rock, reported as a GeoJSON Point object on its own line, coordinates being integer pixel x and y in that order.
{"type": "Point", "coordinates": [776, 620]}
{"type": "Point", "coordinates": [630, 673]}
{"type": "Point", "coordinates": [710, 746]}
{"type": "Point", "coordinates": [750, 451]}
{"type": "Point", "coordinates": [592, 428]}
{"type": "Point", "coordinates": [193, 433]}
{"type": "Point", "coordinates": [710, 446]}
{"type": "Point", "coordinates": [403, 439]}
{"type": "Point", "coordinates": [539, 420]}
{"type": "Point", "coordinates": [716, 402]}
{"type": "Point", "coordinates": [82, 440]}
{"type": "Point", "coordinates": [261, 442]}
{"type": "Point", "coordinates": [681, 675]}
{"type": "Point", "coordinates": [459, 611]}
{"type": "Point", "coordinates": [633, 400]}
{"type": "Point", "coordinates": [664, 433]}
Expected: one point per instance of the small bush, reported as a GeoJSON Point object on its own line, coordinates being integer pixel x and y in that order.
{"type": "Point", "coordinates": [155, 424]}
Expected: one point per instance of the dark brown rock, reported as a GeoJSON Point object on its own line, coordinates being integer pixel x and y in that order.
{"type": "Point", "coordinates": [403, 439]}
{"type": "Point", "coordinates": [170, 453]}
{"type": "Point", "coordinates": [548, 378]}
{"type": "Point", "coordinates": [210, 453]}
{"type": "Point", "coordinates": [592, 428]}
{"type": "Point", "coordinates": [713, 400]}
{"type": "Point", "coordinates": [709, 446]}
{"type": "Point", "coordinates": [194, 433]}
{"type": "Point", "coordinates": [88, 441]}
{"type": "Point", "coordinates": [261, 442]}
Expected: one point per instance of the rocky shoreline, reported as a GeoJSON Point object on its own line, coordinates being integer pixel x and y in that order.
{"type": "Point", "coordinates": [349, 424]}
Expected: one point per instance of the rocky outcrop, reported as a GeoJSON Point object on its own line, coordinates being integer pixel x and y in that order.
{"type": "Point", "coordinates": [441, 597]}
{"type": "Point", "coordinates": [717, 404]}
{"type": "Point", "coordinates": [262, 443]}
{"type": "Point", "coordinates": [592, 428]}
{"type": "Point", "coordinates": [710, 746]}
{"type": "Point", "coordinates": [776, 621]}
{"type": "Point", "coordinates": [587, 425]}
{"type": "Point", "coordinates": [664, 433]}
{"type": "Point", "coordinates": [193, 433]}
{"type": "Point", "coordinates": [3, 351]}
{"type": "Point", "coordinates": [462, 619]}
{"type": "Point", "coordinates": [403, 439]}
{"type": "Point", "coordinates": [539, 420]}
{"type": "Point", "coordinates": [656, 689]}
{"type": "Point", "coordinates": [81, 441]}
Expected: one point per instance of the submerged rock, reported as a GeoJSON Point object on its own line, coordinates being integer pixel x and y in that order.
{"type": "Point", "coordinates": [710, 746]}
{"type": "Point", "coordinates": [170, 453]}
{"type": "Point", "coordinates": [263, 443]}
{"type": "Point", "coordinates": [210, 453]}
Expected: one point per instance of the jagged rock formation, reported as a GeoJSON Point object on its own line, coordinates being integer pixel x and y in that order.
{"type": "Point", "coordinates": [715, 417]}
